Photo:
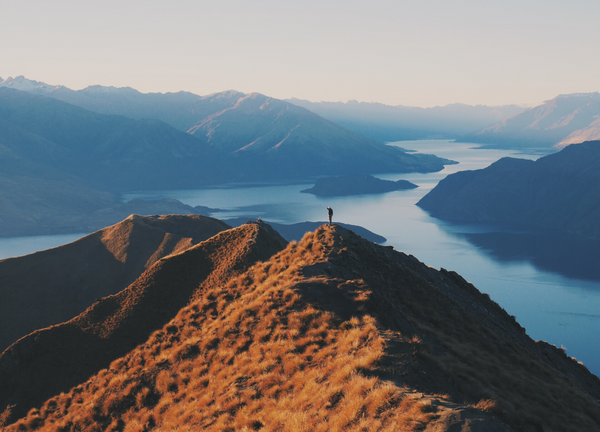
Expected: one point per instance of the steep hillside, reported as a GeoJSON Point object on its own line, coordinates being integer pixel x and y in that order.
{"type": "Point", "coordinates": [105, 152]}
{"type": "Point", "coordinates": [566, 119]}
{"type": "Point", "coordinates": [54, 359]}
{"type": "Point", "coordinates": [270, 138]}
{"type": "Point", "coordinates": [55, 285]}
{"type": "Point", "coordinates": [558, 191]}
{"type": "Point", "coordinates": [333, 333]}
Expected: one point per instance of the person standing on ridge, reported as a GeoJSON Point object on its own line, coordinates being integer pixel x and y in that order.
{"type": "Point", "coordinates": [330, 213]}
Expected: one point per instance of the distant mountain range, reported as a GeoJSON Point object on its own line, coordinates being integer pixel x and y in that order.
{"type": "Point", "coordinates": [262, 137]}
{"type": "Point", "coordinates": [242, 331]}
{"type": "Point", "coordinates": [566, 119]}
{"type": "Point", "coordinates": [559, 191]}
{"type": "Point", "coordinates": [62, 161]}
{"type": "Point", "coordinates": [399, 123]}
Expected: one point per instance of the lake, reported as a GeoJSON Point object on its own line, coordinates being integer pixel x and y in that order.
{"type": "Point", "coordinates": [549, 281]}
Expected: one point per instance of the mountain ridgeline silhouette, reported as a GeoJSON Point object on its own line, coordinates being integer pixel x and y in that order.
{"type": "Point", "coordinates": [258, 137]}
{"type": "Point", "coordinates": [558, 191]}
{"type": "Point", "coordinates": [32, 369]}
{"type": "Point", "coordinates": [53, 286]}
{"type": "Point", "coordinates": [242, 331]}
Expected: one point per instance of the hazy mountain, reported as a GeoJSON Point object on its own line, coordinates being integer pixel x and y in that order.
{"type": "Point", "coordinates": [557, 191]}
{"type": "Point", "coordinates": [294, 142]}
{"type": "Point", "coordinates": [265, 138]}
{"type": "Point", "coordinates": [64, 166]}
{"type": "Point", "coordinates": [107, 152]}
{"type": "Point", "coordinates": [55, 285]}
{"type": "Point", "coordinates": [333, 332]}
{"type": "Point", "coordinates": [397, 123]}
{"type": "Point", "coordinates": [181, 110]}
{"type": "Point", "coordinates": [566, 119]}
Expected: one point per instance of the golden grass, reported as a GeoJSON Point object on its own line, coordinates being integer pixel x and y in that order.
{"type": "Point", "coordinates": [246, 356]}
{"type": "Point", "coordinates": [252, 354]}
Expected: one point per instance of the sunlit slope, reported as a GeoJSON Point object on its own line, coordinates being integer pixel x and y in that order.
{"type": "Point", "coordinates": [334, 333]}
{"type": "Point", "coordinates": [52, 360]}
{"type": "Point", "coordinates": [559, 191]}
{"type": "Point", "coordinates": [55, 285]}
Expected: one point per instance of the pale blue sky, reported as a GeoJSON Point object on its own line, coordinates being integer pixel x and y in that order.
{"type": "Point", "coordinates": [419, 53]}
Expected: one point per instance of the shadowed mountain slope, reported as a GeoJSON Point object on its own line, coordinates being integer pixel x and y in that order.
{"type": "Point", "coordinates": [333, 333]}
{"type": "Point", "coordinates": [53, 360]}
{"type": "Point", "coordinates": [566, 119]}
{"type": "Point", "coordinates": [559, 191]}
{"type": "Point", "coordinates": [55, 285]}
{"type": "Point", "coordinates": [107, 152]}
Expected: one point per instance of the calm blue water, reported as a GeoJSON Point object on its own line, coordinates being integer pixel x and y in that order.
{"type": "Point", "coordinates": [550, 283]}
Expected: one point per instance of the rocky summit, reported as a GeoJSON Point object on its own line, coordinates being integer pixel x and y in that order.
{"type": "Point", "coordinates": [243, 332]}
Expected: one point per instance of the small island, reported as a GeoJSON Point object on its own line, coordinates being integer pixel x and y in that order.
{"type": "Point", "coordinates": [356, 185]}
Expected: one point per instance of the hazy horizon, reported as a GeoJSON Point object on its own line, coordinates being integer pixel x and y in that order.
{"type": "Point", "coordinates": [424, 54]}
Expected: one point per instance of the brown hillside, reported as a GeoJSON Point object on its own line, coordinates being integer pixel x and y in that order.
{"type": "Point", "coordinates": [333, 333]}
{"type": "Point", "coordinates": [55, 285]}
{"type": "Point", "coordinates": [55, 359]}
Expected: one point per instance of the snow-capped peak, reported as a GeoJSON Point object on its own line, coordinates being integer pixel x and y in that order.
{"type": "Point", "coordinates": [27, 85]}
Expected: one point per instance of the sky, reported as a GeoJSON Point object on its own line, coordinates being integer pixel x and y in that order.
{"type": "Point", "coordinates": [415, 53]}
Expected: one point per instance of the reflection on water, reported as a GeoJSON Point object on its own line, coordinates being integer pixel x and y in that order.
{"type": "Point", "coordinates": [548, 251]}
{"type": "Point", "coordinates": [18, 246]}
{"type": "Point", "coordinates": [550, 283]}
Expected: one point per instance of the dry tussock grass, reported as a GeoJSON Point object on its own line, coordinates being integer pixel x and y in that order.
{"type": "Point", "coordinates": [249, 355]}
{"type": "Point", "coordinates": [252, 354]}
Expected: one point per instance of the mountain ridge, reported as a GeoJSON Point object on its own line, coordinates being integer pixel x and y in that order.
{"type": "Point", "coordinates": [558, 191]}
{"type": "Point", "coordinates": [566, 119]}
{"type": "Point", "coordinates": [57, 284]}
{"type": "Point", "coordinates": [332, 332]}
{"type": "Point", "coordinates": [114, 325]}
